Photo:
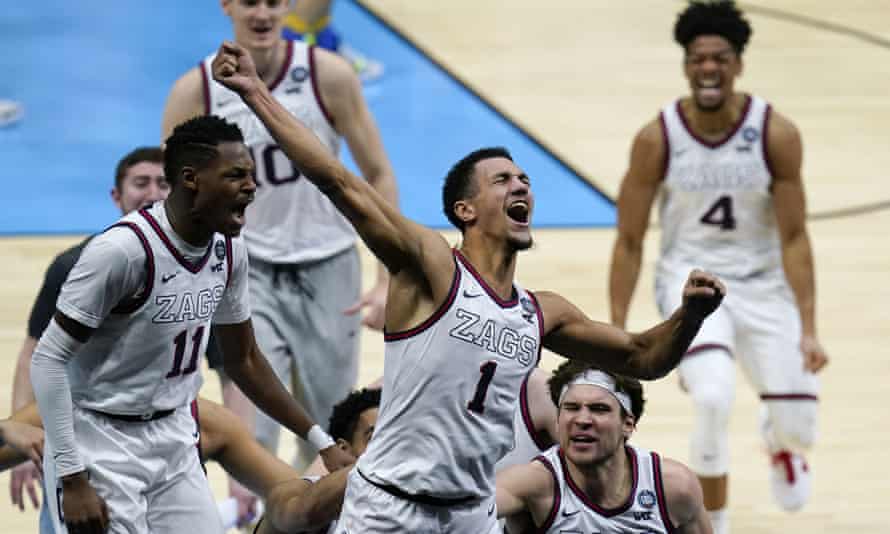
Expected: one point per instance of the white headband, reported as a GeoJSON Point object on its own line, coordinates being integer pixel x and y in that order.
{"type": "Point", "coordinates": [599, 379]}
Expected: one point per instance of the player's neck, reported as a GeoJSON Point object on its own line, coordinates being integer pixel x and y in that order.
{"type": "Point", "coordinates": [608, 483]}
{"type": "Point", "coordinates": [714, 125]}
{"type": "Point", "coordinates": [269, 61]}
{"type": "Point", "coordinates": [177, 208]}
{"type": "Point", "coordinates": [496, 264]}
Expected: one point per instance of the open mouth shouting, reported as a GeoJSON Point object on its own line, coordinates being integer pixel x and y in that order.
{"type": "Point", "coordinates": [519, 212]}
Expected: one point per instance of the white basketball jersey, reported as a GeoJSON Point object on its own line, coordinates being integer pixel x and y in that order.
{"type": "Point", "coordinates": [290, 221]}
{"type": "Point", "coordinates": [716, 206]}
{"type": "Point", "coordinates": [450, 389]}
{"type": "Point", "coordinates": [644, 512]}
{"type": "Point", "coordinates": [526, 443]}
{"type": "Point", "coordinates": [145, 356]}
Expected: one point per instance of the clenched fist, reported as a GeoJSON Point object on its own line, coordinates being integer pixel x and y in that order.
{"type": "Point", "coordinates": [702, 293]}
{"type": "Point", "coordinates": [233, 67]}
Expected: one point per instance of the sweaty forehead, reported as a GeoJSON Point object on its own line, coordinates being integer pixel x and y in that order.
{"type": "Point", "coordinates": [709, 44]}
{"type": "Point", "coordinates": [494, 166]}
{"type": "Point", "coordinates": [234, 153]}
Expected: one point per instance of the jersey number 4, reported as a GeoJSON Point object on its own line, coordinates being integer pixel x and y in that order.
{"type": "Point", "coordinates": [487, 369]}
{"type": "Point", "coordinates": [179, 343]}
{"type": "Point", "coordinates": [720, 214]}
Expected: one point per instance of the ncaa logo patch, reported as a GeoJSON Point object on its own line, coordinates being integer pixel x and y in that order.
{"type": "Point", "coordinates": [299, 74]}
{"type": "Point", "coordinates": [750, 134]}
{"type": "Point", "coordinates": [646, 498]}
{"type": "Point", "coordinates": [527, 305]}
{"type": "Point", "coordinates": [219, 249]}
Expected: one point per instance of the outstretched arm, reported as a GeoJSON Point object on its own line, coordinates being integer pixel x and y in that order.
{"type": "Point", "coordinates": [395, 240]}
{"type": "Point", "coordinates": [524, 488]}
{"type": "Point", "coordinates": [648, 355]}
{"type": "Point", "coordinates": [300, 506]}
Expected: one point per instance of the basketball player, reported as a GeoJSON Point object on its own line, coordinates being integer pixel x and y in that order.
{"type": "Point", "coordinates": [138, 180]}
{"type": "Point", "coordinates": [461, 335]}
{"type": "Point", "coordinates": [732, 199]}
{"type": "Point", "coordinates": [304, 266]}
{"type": "Point", "coordinates": [115, 371]}
{"type": "Point", "coordinates": [593, 480]}
{"type": "Point", "coordinates": [534, 431]}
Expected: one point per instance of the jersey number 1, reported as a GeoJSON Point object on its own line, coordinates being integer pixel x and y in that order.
{"type": "Point", "coordinates": [179, 343]}
{"type": "Point", "coordinates": [478, 403]}
{"type": "Point", "coordinates": [720, 214]}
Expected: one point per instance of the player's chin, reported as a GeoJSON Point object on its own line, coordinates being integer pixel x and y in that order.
{"type": "Point", "coordinates": [521, 240]}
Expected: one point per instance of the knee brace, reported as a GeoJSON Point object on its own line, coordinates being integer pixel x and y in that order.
{"type": "Point", "coordinates": [792, 424]}
{"type": "Point", "coordinates": [709, 378]}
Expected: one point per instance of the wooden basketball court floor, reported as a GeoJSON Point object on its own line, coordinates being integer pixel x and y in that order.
{"type": "Point", "coordinates": [584, 75]}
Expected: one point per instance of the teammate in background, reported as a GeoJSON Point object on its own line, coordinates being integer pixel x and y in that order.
{"type": "Point", "coordinates": [116, 369]}
{"type": "Point", "coordinates": [732, 199]}
{"type": "Point", "coordinates": [461, 335]}
{"type": "Point", "coordinates": [224, 438]}
{"type": "Point", "coordinates": [138, 180]}
{"type": "Point", "coordinates": [305, 280]}
{"type": "Point", "coordinates": [534, 431]}
{"type": "Point", "coordinates": [310, 21]}
{"type": "Point", "coordinates": [593, 480]}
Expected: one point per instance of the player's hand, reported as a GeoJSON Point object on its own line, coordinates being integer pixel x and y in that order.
{"type": "Point", "coordinates": [247, 502]}
{"type": "Point", "coordinates": [334, 458]}
{"type": "Point", "coordinates": [814, 356]}
{"type": "Point", "coordinates": [24, 438]}
{"type": "Point", "coordinates": [375, 302]}
{"type": "Point", "coordinates": [702, 293]}
{"type": "Point", "coordinates": [233, 67]}
{"type": "Point", "coordinates": [84, 511]}
{"type": "Point", "coordinates": [23, 477]}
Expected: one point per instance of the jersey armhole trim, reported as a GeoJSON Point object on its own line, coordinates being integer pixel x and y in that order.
{"type": "Point", "coordinates": [313, 75]}
{"type": "Point", "coordinates": [431, 320]}
{"type": "Point", "coordinates": [527, 415]}
{"type": "Point", "coordinates": [557, 495]}
{"type": "Point", "coordinates": [229, 255]}
{"type": "Point", "coordinates": [205, 87]}
{"type": "Point", "coordinates": [764, 145]}
{"type": "Point", "coordinates": [540, 315]}
{"type": "Point", "coordinates": [660, 495]}
{"type": "Point", "coordinates": [666, 159]}
{"type": "Point", "coordinates": [133, 303]}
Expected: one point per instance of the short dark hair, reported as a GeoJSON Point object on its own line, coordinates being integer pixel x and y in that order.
{"type": "Point", "coordinates": [345, 416]}
{"type": "Point", "coordinates": [459, 183]}
{"type": "Point", "coordinates": [151, 154]}
{"type": "Point", "coordinates": [193, 143]}
{"type": "Point", "coordinates": [708, 17]}
{"type": "Point", "coordinates": [570, 369]}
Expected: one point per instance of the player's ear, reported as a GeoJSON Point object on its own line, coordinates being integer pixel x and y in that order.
{"type": "Point", "coordinates": [344, 445]}
{"type": "Point", "coordinates": [116, 197]}
{"type": "Point", "coordinates": [226, 6]}
{"type": "Point", "coordinates": [465, 211]}
{"type": "Point", "coordinates": [628, 426]}
{"type": "Point", "coordinates": [188, 176]}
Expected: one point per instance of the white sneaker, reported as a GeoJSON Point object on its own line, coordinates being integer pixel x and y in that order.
{"type": "Point", "coordinates": [10, 112]}
{"type": "Point", "coordinates": [790, 480]}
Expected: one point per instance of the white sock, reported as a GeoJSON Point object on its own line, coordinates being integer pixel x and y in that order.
{"type": "Point", "coordinates": [719, 520]}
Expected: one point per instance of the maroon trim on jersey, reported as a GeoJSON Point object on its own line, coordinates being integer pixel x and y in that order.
{"type": "Point", "coordinates": [728, 136]}
{"type": "Point", "coordinates": [284, 66]}
{"type": "Point", "coordinates": [764, 145]}
{"type": "Point", "coordinates": [540, 315]}
{"type": "Point", "coordinates": [666, 160]}
{"type": "Point", "coordinates": [449, 300]}
{"type": "Point", "coordinates": [698, 349]}
{"type": "Point", "coordinates": [228, 261]}
{"type": "Point", "coordinates": [514, 298]}
{"type": "Point", "coordinates": [605, 512]}
{"type": "Point", "coordinates": [660, 495]}
{"type": "Point", "coordinates": [193, 268]}
{"type": "Point", "coordinates": [789, 397]}
{"type": "Point", "coordinates": [135, 302]}
{"type": "Point", "coordinates": [314, 77]}
{"type": "Point", "coordinates": [196, 416]}
{"type": "Point", "coordinates": [557, 495]}
{"type": "Point", "coordinates": [527, 414]}
{"type": "Point", "coordinates": [205, 86]}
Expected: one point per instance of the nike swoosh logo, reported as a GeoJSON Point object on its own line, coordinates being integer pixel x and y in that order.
{"type": "Point", "coordinates": [566, 513]}
{"type": "Point", "coordinates": [491, 509]}
{"type": "Point", "coordinates": [471, 295]}
{"type": "Point", "coordinates": [167, 277]}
